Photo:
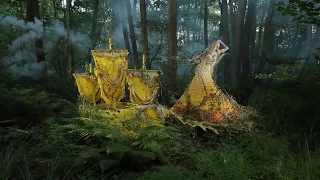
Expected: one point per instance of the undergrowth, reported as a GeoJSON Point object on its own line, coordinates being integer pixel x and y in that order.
{"type": "Point", "coordinates": [70, 144]}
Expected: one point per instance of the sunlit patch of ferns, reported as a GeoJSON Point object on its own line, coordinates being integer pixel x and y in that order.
{"type": "Point", "coordinates": [104, 142]}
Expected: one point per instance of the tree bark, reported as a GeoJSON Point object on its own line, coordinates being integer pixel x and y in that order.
{"type": "Point", "coordinates": [205, 23]}
{"type": "Point", "coordinates": [69, 48]}
{"type": "Point", "coordinates": [94, 25]}
{"type": "Point", "coordinates": [253, 35]}
{"type": "Point", "coordinates": [237, 44]}
{"type": "Point", "coordinates": [134, 10]}
{"type": "Point", "coordinates": [132, 32]}
{"type": "Point", "coordinates": [259, 43]}
{"type": "Point", "coordinates": [267, 34]}
{"type": "Point", "coordinates": [144, 31]}
{"type": "Point", "coordinates": [172, 65]}
{"type": "Point", "coordinates": [247, 36]}
{"type": "Point", "coordinates": [33, 11]}
{"type": "Point", "coordinates": [225, 24]}
{"type": "Point", "coordinates": [122, 20]}
{"type": "Point", "coordinates": [225, 64]}
{"type": "Point", "coordinates": [233, 23]}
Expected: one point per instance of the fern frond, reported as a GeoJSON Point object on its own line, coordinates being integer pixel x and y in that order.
{"type": "Point", "coordinates": [114, 147]}
{"type": "Point", "coordinates": [150, 145]}
{"type": "Point", "coordinates": [146, 154]}
{"type": "Point", "coordinates": [108, 163]}
{"type": "Point", "coordinates": [19, 130]}
{"type": "Point", "coordinates": [8, 121]}
{"type": "Point", "coordinates": [73, 127]}
{"type": "Point", "coordinates": [90, 153]}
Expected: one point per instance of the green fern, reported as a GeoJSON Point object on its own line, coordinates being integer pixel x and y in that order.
{"type": "Point", "coordinates": [8, 161]}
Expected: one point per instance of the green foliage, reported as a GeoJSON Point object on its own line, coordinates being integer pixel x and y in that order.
{"type": "Point", "coordinates": [250, 157]}
{"type": "Point", "coordinates": [303, 11]}
{"type": "Point", "coordinates": [8, 161]}
{"type": "Point", "coordinates": [170, 172]}
{"type": "Point", "coordinates": [30, 106]}
{"type": "Point", "coordinates": [104, 144]}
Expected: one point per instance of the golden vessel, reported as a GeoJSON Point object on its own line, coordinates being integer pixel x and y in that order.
{"type": "Point", "coordinates": [111, 75]}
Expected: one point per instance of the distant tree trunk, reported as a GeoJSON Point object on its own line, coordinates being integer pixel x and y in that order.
{"type": "Point", "coordinates": [134, 9]}
{"type": "Point", "coordinates": [226, 38]}
{"type": "Point", "coordinates": [233, 23]}
{"type": "Point", "coordinates": [69, 48]}
{"type": "Point", "coordinates": [260, 33]}
{"type": "Point", "coordinates": [303, 31]}
{"type": "Point", "coordinates": [225, 24]}
{"type": "Point", "coordinates": [237, 44]}
{"type": "Point", "coordinates": [55, 8]}
{"type": "Point", "coordinates": [271, 44]}
{"type": "Point", "coordinates": [94, 26]}
{"type": "Point", "coordinates": [132, 32]}
{"type": "Point", "coordinates": [122, 20]}
{"type": "Point", "coordinates": [246, 38]}
{"type": "Point", "coordinates": [266, 36]}
{"type": "Point", "coordinates": [253, 35]}
{"type": "Point", "coordinates": [205, 23]}
{"type": "Point", "coordinates": [172, 65]}
{"type": "Point", "coordinates": [33, 11]}
{"type": "Point", "coordinates": [144, 31]}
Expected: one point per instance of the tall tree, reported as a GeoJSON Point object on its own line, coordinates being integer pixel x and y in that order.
{"type": "Point", "coordinates": [173, 47]}
{"type": "Point", "coordinates": [247, 36]}
{"type": "Point", "coordinates": [122, 20]}
{"type": "Point", "coordinates": [69, 48]}
{"type": "Point", "coordinates": [266, 36]}
{"type": "Point", "coordinates": [224, 19]}
{"type": "Point", "coordinates": [260, 33]}
{"type": "Point", "coordinates": [252, 39]}
{"type": "Point", "coordinates": [144, 31]}
{"type": "Point", "coordinates": [205, 23]}
{"type": "Point", "coordinates": [226, 38]}
{"type": "Point", "coordinates": [134, 9]}
{"type": "Point", "coordinates": [132, 32]}
{"type": "Point", "coordinates": [237, 44]}
{"type": "Point", "coordinates": [94, 24]}
{"type": "Point", "coordinates": [33, 11]}
{"type": "Point", "coordinates": [233, 22]}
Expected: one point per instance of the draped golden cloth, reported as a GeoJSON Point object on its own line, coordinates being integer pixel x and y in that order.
{"type": "Point", "coordinates": [143, 85]}
{"type": "Point", "coordinates": [88, 87]}
{"type": "Point", "coordinates": [110, 71]}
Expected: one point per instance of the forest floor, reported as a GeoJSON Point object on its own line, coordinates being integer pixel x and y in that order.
{"type": "Point", "coordinates": [44, 136]}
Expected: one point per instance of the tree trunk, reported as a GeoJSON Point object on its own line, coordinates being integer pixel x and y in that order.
{"type": "Point", "coordinates": [69, 49]}
{"type": "Point", "coordinates": [33, 11]}
{"type": "Point", "coordinates": [237, 44]}
{"type": "Point", "coordinates": [205, 23]}
{"type": "Point", "coordinates": [132, 32]}
{"type": "Point", "coordinates": [122, 19]}
{"type": "Point", "coordinates": [94, 25]}
{"type": "Point", "coordinates": [144, 31]}
{"type": "Point", "coordinates": [225, 64]}
{"type": "Point", "coordinates": [172, 65]}
{"type": "Point", "coordinates": [134, 10]}
{"type": "Point", "coordinates": [225, 24]}
{"type": "Point", "coordinates": [246, 38]}
{"type": "Point", "coordinates": [233, 23]}
{"type": "Point", "coordinates": [260, 33]}
{"type": "Point", "coordinates": [253, 35]}
{"type": "Point", "coordinates": [267, 34]}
